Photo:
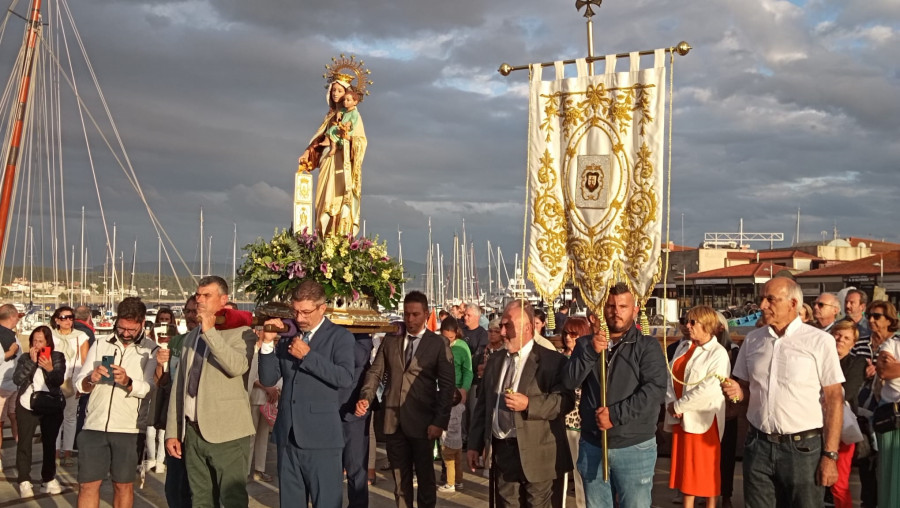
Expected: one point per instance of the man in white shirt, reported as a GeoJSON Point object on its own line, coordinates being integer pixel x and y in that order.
{"type": "Point", "coordinates": [786, 369]}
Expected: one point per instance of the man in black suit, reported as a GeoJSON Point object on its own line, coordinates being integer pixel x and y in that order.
{"type": "Point", "coordinates": [417, 400]}
{"type": "Point", "coordinates": [521, 412]}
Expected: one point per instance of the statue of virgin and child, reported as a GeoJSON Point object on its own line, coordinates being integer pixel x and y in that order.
{"type": "Point", "coordinates": [337, 149]}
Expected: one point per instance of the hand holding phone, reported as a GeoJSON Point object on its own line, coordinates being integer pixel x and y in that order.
{"type": "Point", "coordinates": [107, 361]}
{"type": "Point", "coordinates": [45, 353]}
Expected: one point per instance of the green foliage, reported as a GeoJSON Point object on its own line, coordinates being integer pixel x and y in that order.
{"type": "Point", "coordinates": [343, 265]}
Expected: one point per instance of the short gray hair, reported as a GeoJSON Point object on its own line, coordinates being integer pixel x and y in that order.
{"type": "Point", "coordinates": [474, 307]}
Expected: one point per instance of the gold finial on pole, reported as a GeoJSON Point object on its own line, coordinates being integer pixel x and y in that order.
{"type": "Point", "coordinates": [683, 48]}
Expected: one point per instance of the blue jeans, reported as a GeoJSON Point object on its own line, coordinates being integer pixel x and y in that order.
{"type": "Point", "coordinates": [781, 475]}
{"type": "Point", "coordinates": [630, 475]}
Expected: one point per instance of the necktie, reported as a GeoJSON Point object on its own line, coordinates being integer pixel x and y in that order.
{"type": "Point", "coordinates": [193, 385]}
{"type": "Point", "coordinates": [307, 336]}
{"type": "Point", "coordinates": [505, 419]}
{"type": "Point", "coordinates": [410, 345]}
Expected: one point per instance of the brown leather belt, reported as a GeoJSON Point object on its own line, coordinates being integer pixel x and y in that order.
{"type": "Point", "coordinates": [785, 438]}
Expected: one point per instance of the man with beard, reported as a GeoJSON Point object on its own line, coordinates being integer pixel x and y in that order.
{"type": "Point", "coordinates": [118, 373]}
{"type": "Point", "coordinates": [636, 386]}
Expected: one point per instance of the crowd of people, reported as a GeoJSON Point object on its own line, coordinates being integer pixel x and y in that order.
{"type": "Point", "coordinates": [819, 394]}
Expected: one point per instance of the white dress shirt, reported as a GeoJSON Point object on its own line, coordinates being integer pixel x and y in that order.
{"type": "Point", "coordinates": [786, 375]}
{"type": "Point", "coordinates": [523, 357]}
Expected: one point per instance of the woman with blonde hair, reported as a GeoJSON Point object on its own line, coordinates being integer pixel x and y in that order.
{"type": "Point", "coordinates": [695, 408]}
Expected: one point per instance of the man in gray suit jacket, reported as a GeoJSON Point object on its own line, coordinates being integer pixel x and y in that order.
{"type": "Point", "coordinates": [417, 400]}
{"type": "Point", "coordinates": [209, 409]}
{"type": "Point", "coordinates": [308, 431]}
{"type": "Point", "coordinates": [521, 412]}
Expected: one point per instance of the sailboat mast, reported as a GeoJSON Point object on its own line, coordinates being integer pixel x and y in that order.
{"type": "Point", "coordinates": [133, 263]}
{"type": "Point", "coordinates": [15, 142]}
{"type": "Point", "coordinates": [234, 261]}
{"type": "Point", "coordinates": [158, 270]}
{"type": "Point", "coordinates": [201, 242]}
{"type": "Point", "coordinates": [83, 278]}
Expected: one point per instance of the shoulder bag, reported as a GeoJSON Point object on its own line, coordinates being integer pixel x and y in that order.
{"type": "Point", "coordinates": [886, 418]}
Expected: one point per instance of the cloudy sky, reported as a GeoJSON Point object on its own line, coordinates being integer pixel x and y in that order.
{"type": "Point", "coordinates": [780, 105]}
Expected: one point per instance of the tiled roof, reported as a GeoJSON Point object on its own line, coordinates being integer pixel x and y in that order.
{"type": "Point", "coordinates": [877, 246]}
{"type": "Point", "coordinates": [740, 271]}
{"type": "Point", "coordinates": [862, 266]}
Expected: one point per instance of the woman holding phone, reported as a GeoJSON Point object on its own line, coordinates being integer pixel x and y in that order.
{"type": "Point", "coordinates": [41, 370]}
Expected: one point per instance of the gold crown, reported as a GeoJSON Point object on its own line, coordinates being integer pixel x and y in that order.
{"type": "Point", "coordinates": [348, 71]}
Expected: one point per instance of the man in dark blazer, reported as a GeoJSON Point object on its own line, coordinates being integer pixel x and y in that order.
{"type": "Point", "coordinates": [417, 400]}
{"type": "Point", "coordinates": [356, 428]}
{"type": "Point", "coordinates": [314, 366]}
{"type": "Point", "coordinates": [525, 424]}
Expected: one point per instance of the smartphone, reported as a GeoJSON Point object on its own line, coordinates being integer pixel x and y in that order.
{"type": "Point", "coordinates": [107, 361]}
{"type": "Point", "coordinates": [45, 353]}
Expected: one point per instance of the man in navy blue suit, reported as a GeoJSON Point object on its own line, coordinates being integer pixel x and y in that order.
{"type": "Point", "coordinates": [315, 366]}
{"type": "Point", "coordinates": [356, 428]}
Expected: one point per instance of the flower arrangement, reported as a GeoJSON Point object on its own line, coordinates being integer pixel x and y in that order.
{"type": "Point", "coordinates": [343, 265]}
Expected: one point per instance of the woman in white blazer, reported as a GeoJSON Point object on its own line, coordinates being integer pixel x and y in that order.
{"type": "Point", "coordinates": [695, 409]}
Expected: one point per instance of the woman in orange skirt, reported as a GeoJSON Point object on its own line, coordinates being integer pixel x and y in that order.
{"type": "Point", "coordinates": [695, 409]}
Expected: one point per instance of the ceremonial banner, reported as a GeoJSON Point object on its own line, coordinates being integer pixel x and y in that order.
{"type": "Point", "coordinates": [595, 161]}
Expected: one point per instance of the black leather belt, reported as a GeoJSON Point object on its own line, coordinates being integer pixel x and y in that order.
{"type": "Point", "coordinates": [192, 424]}
{"type": "Point", "coordinates": [785, 438]}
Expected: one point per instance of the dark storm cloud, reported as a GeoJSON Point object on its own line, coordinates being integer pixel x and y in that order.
{"type": "Point", "coordinates": [777, 107]}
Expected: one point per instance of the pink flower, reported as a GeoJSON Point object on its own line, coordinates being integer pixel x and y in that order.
{"type": "Point", "coordinates": [324, 267]}
{"type": "Point", "coordinates": [355, 295]}
{"type": "Point", "coordinates": [354, 245]}
{"type": "Point", "coordinates": [393, 290]}
{"type": "Point", "coordinates": [275, 267]}
{"type": "Point", "coordinates": [295, 269]}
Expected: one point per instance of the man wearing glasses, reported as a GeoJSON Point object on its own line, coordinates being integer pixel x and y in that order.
{"type": "Point", "coordinates": [209, 422]}
{"type": "Point", "coordinates": [825, 311]}
{"type": "Point", "coordinates": [117, 372]}
{"type": "Point", "coordinates": [314, 366]}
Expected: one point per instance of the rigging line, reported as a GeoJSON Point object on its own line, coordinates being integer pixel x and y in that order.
{"type": "Point", "coordinates": [133, 178]}
{"type": "Point", "coordinates": [7, 112]}
{"type": "Point", "coordinates": [90, 155]}
{"type": "Point", "coordinates": [9, 12]}
{"type": "Point", "coordinates": [157, 224]}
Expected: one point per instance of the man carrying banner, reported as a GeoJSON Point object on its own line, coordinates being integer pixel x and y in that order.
{"type": "Point", "coordinates": [636, 387]}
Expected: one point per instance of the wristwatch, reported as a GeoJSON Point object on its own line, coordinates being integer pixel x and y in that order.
{"type": "Point", "coordinates": [131, 382]}
{"type": "Point", "coordinates": [831, 455]}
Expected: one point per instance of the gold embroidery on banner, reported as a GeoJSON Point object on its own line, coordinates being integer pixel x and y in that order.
{"type": "Point", "coordinates": [597, 253]}
{"type": "Point", "coordinates": [550, 217]}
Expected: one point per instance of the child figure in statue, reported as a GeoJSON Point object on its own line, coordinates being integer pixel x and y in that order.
{"type": "Point", "coordinates": [343, 126]}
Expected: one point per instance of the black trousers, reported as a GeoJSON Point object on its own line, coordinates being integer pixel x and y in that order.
{"type": "Point", "coordinates": [27, 422]}
{"type": "Point", "coordinates": [513, 489]}
{"type": "Point", "coordinates": [356, 462]}
{"type": "Point", "coordinates": [728, 456]}
{"type": "Point", "coordinates": [405, 454]}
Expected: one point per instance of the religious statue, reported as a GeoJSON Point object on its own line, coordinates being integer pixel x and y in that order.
{"type": "Point", "coordinates": [338, 149]}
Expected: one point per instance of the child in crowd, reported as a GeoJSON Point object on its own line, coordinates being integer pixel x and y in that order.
{"type": "Point", "coordinates": [451, 446]}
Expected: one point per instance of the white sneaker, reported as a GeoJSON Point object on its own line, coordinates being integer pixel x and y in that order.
{"type": "Point", "coordinates": [160, 467]}
{"type": "Point", "coordinates": [149, 465]}
{"type": "Point", "coordinates": [51, 487]}
{"type": "Point", "coordinates": [26, 490]}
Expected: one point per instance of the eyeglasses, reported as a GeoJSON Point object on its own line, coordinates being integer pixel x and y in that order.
{"type": "Point", "coordinates": [306, 313]}
{"type": "Point", "coordinates": [128, 331]}
{"type": "Point", "coordinates": [876, 315]}
{"type": "Point", "coordinates": [66, 317]}
{"type": "Point", "coordinates": [692, 322]}
{"type": "Point", "coordinates": [823, 304]}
